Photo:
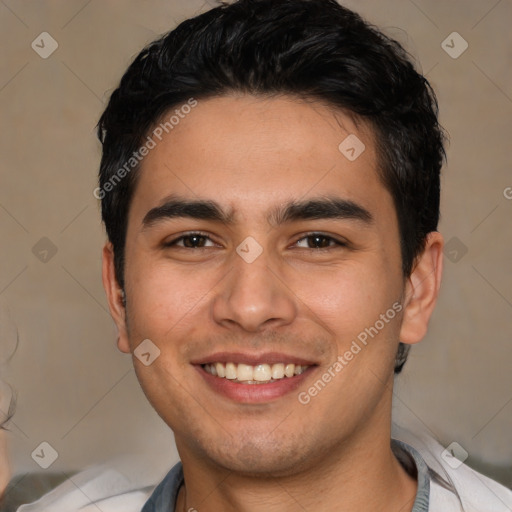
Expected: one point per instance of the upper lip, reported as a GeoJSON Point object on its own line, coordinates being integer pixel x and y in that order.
{"type": "Point", "coordinates": [252, 359]}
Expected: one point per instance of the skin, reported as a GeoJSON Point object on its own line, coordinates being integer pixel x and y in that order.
{"type": "Point", "coordinates": [252, 155]}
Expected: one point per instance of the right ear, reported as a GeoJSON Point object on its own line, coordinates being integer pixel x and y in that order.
{"type": "Point", "coordinates": [115, 297]}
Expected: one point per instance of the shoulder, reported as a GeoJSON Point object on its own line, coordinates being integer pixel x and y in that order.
{"type": "Point", "coordinates": [472, 490]}
{"type": "Point", "coordinates": [453, 484]}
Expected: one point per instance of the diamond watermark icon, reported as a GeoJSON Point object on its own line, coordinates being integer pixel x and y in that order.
{"type": "Point", "coordinates": [45, 455]}
{"type": "Point", "coordinates": [454, 45]}
{"type": "Point", "coordinates": [455, 250]}
{"type": "Point", "coordinates": [351, 147]}
{"type": "Point", "coordinates": [146, 352]}
{"type": "Point", "coordinates": [44, 45]}
{"type": "Point", "coordinates": [249, 249]}
{"type": "Point", "coordinates": [454, 455]}
{"type": "Point", "coordinates": [44, 249]}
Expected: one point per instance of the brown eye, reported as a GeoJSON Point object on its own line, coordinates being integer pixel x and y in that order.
{"type": "Point", "coordinates": [318, 241]}
{"type": "Point", "coordinates": [191, 241]}
{"type": "Point", "coordinates": [194, 241]}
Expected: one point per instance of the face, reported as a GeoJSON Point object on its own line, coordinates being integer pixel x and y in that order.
{"type": "Point", "coordinates": [254, 244]}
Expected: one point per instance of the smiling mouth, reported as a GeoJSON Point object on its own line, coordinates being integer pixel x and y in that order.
{"type": "Point", "coordinates": [258, 374]}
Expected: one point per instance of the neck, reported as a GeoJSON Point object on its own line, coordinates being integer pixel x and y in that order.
{"type": "Point", "coordinates": [361, 473]}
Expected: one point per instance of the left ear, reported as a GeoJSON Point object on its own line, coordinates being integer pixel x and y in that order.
{"type": "Point", "coordinates": [421, 290]}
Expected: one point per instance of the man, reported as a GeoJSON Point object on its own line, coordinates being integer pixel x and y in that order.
{"type": "Point", "coordinates": [270, 191]}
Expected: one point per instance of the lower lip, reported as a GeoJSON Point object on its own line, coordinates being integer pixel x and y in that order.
{"type": "Point", "coordinates": [254, 393]}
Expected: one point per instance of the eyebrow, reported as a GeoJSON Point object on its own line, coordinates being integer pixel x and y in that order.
{"type": "Point", "coordinates": [321, 208]}
{"type": "Point", "coordinates": [311, 209]}
{"type": "Point", "coordinates": [173, 207]}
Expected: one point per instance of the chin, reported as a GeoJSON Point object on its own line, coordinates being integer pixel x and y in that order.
{"type": "Point", "coordinates": [264, 459]}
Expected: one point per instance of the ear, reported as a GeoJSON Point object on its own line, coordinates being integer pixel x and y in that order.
{"type": "Point", "coordinates": [421, 290]}
{"type": "Point", "coordinates": [115, 297]}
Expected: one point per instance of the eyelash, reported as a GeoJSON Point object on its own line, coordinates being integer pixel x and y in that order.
{"type": "Point", "coordinates": [336, 243]}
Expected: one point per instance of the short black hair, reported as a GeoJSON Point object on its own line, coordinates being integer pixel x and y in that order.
{"type": "Point", "coordinates": [309, 49]}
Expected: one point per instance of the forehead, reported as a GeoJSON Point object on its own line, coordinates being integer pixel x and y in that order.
{"type": "Point", "coordinates": [250, 153]}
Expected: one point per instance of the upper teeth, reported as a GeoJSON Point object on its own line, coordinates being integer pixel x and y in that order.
{"type": "Point", "coordinates": [258, 373]}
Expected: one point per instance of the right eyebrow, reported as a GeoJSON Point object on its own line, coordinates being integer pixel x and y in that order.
{"type": "Point", "coordinates": [195, 209]}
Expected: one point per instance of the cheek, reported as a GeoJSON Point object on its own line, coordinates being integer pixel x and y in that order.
{"type": "Point", "coordinates": [351, 297]}
{"type": "Point", "coordinates": [164, 299]}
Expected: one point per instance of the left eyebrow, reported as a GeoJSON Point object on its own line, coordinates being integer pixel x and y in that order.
{"type": "Point", "coordinates": [323, 208]}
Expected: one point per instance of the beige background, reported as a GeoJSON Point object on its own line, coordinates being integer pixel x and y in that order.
{"type": "Point", "coordinates": [74, 389]}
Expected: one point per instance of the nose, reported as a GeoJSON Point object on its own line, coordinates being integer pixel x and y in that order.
{"type": "Point", "coordinates": [254, 297]}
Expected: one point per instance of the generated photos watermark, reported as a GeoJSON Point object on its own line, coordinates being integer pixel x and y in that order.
{"type": "Point", "coordinates": [305, 397]}
{"type": "Point", "coordinates": [151, 142]}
